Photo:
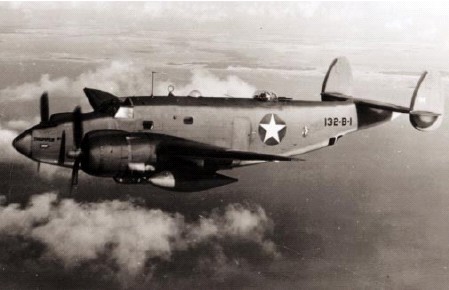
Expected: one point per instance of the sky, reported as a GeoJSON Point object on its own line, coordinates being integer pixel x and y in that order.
{"type": "Point", "coordinates": [368, 213]}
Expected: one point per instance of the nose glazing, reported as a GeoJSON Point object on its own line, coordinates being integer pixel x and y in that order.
{"type": "Point", "coordinates": [22, 143]}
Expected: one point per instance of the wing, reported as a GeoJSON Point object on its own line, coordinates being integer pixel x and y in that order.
{"type": "Point", "coordinates": [192, 149]}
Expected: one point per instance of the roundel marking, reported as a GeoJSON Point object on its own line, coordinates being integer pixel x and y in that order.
{"type": "Point", "coordinates": [272, 129]}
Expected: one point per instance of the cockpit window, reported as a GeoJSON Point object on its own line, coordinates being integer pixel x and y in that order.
{"type": "Point", "coordinates": [188, 120]}
{"type": "Point", "coordinates": [125, 112]}
{"type": "Point", "coordinates": [148, 125]}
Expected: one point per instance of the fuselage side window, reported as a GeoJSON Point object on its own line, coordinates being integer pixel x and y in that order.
{"type": "Point", "coordinates": [188, 120]}
{"type": "Point", "coordinates": [148, 125]}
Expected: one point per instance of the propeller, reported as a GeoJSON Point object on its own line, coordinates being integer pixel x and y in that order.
{"type": "Point", "coordinates": [77, 139]}
{"type": "Point", "coordinates": [45, 110]}
{"type": "Point", "coordinates": [74, 181]}
{"type": "Point", "coordinates": [61, 157]}
{"type": "Point", "coordinates": [77, 127]}
{"type": "Point", "coordinates": [45, 115]}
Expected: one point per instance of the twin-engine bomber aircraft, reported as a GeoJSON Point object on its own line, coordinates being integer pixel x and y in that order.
{"type": "Point", "coordinates": [179, 143]}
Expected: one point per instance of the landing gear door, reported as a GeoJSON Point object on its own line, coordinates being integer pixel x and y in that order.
{"type": "Point", "coordinates": [241, 133]}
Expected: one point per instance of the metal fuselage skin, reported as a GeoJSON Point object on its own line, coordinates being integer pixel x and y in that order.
{"type": "Point", "coordinates": [233, 123]}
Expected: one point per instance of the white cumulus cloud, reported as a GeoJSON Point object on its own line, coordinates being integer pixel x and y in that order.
{"type": "Point", "coordinates": [129, 234]}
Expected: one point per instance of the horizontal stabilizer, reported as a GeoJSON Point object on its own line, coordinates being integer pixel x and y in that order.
{"type": "Point", "coordinates": [368, 103]}
{"type": "Point", "coordinates": [382, 105]}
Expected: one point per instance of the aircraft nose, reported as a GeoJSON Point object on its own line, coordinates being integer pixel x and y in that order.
{"type": "Point", "coordinates": [22, 143]}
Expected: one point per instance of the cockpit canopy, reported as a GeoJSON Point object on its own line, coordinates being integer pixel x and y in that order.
{"type": "Point", "coordinates": [194, 94]}
{"type": "Point", "coordinates": [265, 96]}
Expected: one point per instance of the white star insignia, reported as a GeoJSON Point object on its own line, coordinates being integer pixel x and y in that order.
{"type": "Point", "coordinates": [272, 130]}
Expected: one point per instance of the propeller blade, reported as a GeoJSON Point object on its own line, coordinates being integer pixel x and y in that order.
{"type": "Point", "coordinates": [77, 127]}
{"type": "Point", "coordinates": [45, 110]}
{"type": "Point", "coordinates": [74, 181]}
{"type": "Point", "coordinates": [61, 157]}
{"type": "Point", "coordinates": [77, 139]}
{"type": "Point", "coordinates": [38, 167]}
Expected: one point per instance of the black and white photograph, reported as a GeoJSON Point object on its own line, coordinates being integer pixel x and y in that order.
{"type": "Point", "coordinates": [224, 145]}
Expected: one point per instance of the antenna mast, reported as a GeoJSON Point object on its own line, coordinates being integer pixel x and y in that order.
{"type": "Point", "coordinates": [152, 81]}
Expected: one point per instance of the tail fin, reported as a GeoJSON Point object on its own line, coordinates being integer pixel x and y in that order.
{"type": "Point", "coordinates": [427, 105]}
{"type": "Point", "coordinates": [337, 84]}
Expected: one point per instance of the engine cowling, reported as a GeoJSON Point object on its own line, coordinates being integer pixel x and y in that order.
{"type": "Point", "coordinates": [111, 153]}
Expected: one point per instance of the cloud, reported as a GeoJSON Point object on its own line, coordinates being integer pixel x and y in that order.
{"type": "Point", "coordinates": [201, 13]}
{"type": "Point", "coordinates": [123, 79]}
{"type": "Point", "coordinates": [117, 77]}
{"type": "Point", "coordinates": [211, 85]}
{"type": "Point", "coordinates": [20, 125]}
{"type": "Point", "coordinates": [129, 235]}
{"type": "Point", "coordinates": [7, 152]}
{"type": "Point", "coordinates": [378, 21]}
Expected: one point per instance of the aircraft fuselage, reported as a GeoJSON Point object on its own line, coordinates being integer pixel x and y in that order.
{"type": "Point", "coordinates": [180, 143]}
{"type": "Point", "coordinates": [293, 127]}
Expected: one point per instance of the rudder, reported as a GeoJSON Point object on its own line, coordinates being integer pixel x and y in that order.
{"type": "Point", "coordinates": [337, 84]}
{"type": "Point", "coordinates": [427, 104]}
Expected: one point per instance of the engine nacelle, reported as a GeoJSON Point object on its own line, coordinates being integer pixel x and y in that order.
{"type": "Point", "coordinates": [112, 153]}
{"type": "Point", "coordinates": [187, 181]}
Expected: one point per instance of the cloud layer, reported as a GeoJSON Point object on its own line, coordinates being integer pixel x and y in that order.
{"type": "Point", "coordinates": [7, 152]}
{"type": "Point", "coordinates": [125, 78]}
{"type": "Point", "coordinates": [129, 235]}
{"type": "Point", "coordinates": [404, 21]}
